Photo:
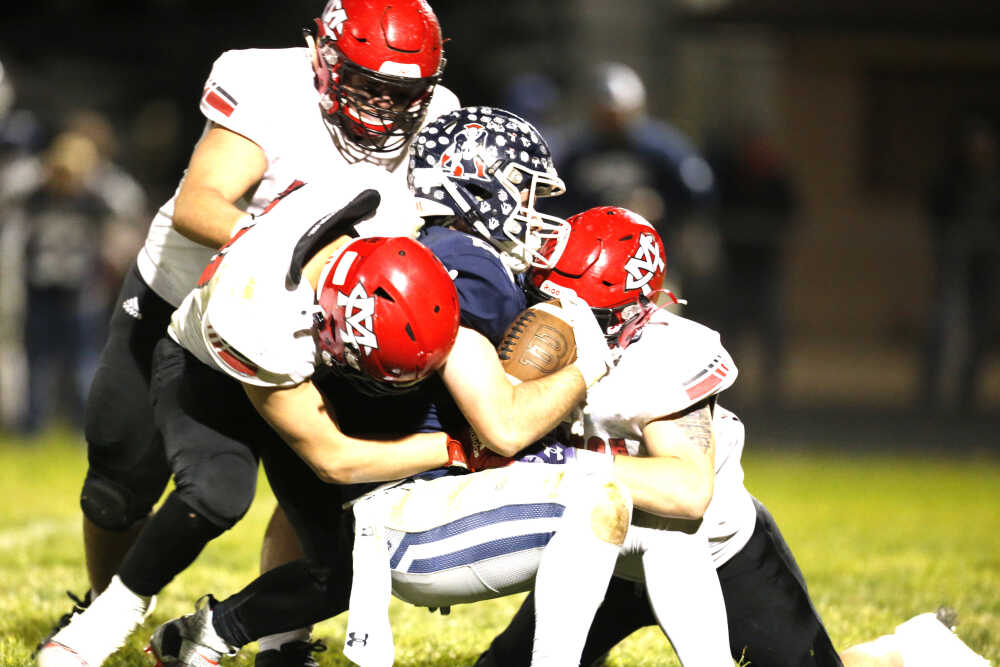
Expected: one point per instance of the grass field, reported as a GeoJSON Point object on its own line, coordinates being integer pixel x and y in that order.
{"type": "Point", "coordinates": [880, 538]}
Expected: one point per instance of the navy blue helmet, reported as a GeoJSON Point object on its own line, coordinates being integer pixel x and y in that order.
{"type": "Point", "coordinates": [487, 167]}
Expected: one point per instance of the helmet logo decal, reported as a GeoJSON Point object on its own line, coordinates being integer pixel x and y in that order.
{"type": "Point", "coordinates": [359, 308]}
{"type": "Point", "coordinates": [469, 153]}
{"type": "Point", "coordinates": [334, 18]}
{"type": "Point", "coordinates": [644, 264]}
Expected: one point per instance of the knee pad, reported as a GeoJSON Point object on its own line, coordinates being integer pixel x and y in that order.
{"type": "Point", "coordinates": [607, 502]}
{"type": "Point", "coordinates": [220, 489]}
{"type": "Point", "coordinates": [110, 505]}
{"type": "Point", "coordinates": [612, 512]}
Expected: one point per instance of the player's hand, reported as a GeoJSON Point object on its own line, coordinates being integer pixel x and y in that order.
{"type": "Point", "coordinates": [593, 357]}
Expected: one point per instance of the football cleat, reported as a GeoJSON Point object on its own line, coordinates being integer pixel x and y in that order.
{"type": "Point", "coordinates": [94, 633]}
{"type": "Point", "coordinates": [190, 640]}
{"type": "Point", "coordinates": [929, 640]}
{"type": "Point", "coordinates": [79, 604]}
{"type": "Point", "coordinates": [291, 654]}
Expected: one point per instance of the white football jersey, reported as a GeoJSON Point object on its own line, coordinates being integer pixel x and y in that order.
{"type": "Point", "coordinates": [267, 96]}
{"type": "Point", "coordinates": [676, 363]}
{"type": "Point", "coordinates": [242, 318]}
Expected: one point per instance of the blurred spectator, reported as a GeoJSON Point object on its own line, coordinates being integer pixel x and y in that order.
{"type": "Point", "coordinates": [62, 224]}
{"type": "Point", "coordinates": [534, 96]}
{"type": "Point", "coordinates": [756, 208]}
{"type": "Point", "coordinates": [20, 171]}
{"type": "Point", "coordinates": [119, 190]}
{"type": "Point", "coordinates": [624, 157]}
{"type": "Point", "coordinates": [964, 210]}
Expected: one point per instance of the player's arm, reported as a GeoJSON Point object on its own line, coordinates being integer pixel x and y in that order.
{"type": "Point", "coordinates": [678, 477]}
{"type": "Point", "coordinates": [507, 418]}
{"type": "Point", "coordinates": [305, 421]}
{"type": "Point", "coordinates": [223, 167]}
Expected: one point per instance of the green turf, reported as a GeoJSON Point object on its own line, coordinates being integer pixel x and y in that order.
{"type": "Point", "coordinates": [880, 538]}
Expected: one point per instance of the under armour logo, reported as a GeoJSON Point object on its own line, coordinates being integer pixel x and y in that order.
{"type": "Point", "coordinates": [352, 639]}
{"type": "Point", "coordinates": [644, 264]}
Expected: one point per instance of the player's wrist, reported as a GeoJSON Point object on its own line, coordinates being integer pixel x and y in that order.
{"type": "Point", "coordinates": [456, 454]}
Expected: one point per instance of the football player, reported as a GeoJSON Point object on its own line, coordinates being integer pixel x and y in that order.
{"type": "Point", "coordinates": [275, 118]}
{"type": "Point", "coordinates": [610, 262]}
{"type": "Point", "coordinates": [452, 539]}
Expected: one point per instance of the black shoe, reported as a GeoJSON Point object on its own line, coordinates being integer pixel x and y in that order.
{"type": "Point", "coordinates": [78, 606]}
{"type": "Point", "coordinates": [291, 654]}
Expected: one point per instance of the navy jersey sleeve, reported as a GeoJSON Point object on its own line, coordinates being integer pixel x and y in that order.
{"type": "Point", "coordinates": [488, 293]}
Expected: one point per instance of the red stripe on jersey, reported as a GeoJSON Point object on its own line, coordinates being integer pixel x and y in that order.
{"type": "Point", "coordinates": [239, 365]}
{"type": "Point", "coordinates": [219, 103]}
{"type": "Point", "coordinates": [703, 387]}
{"type": "Point", "coordinates": [296, 184]}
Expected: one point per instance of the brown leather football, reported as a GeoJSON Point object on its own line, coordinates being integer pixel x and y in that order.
{"type": "Point", "coordinates": [539, 342]}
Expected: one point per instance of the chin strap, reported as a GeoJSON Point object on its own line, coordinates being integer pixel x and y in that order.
{"type": "Point", "coordinates": [631, 331]}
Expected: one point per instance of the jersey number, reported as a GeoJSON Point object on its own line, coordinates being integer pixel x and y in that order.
{"type": "Point", "coordinates": [595, 443]}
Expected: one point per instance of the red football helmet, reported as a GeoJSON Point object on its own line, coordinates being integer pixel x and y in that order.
{"type": "Point", "coordinates": [613, 259]}
{"type": "Point", "coordinates": [389, 312]}
{"type": "Point", "coordinates": [376, 63]}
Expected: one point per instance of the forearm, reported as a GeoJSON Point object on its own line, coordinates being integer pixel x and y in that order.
{"type": "Point", "coordinates": [535, 409]}
{"type": "Point", "coordinates": [306, 423]}
{"type": "Point", "coordinates": [666, 486]}
{"type": "Point", "coordinates": [354, 460]}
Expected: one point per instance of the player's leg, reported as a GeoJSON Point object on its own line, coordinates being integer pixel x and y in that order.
{"type": "Point", "coordinates": [206, 422]}
{"type": "Point", "coordinates": [684, 592]}
{"type": "Point", "coordinates": [772, 621]}
{"type": "Point", "coordinates": [288, 597]}
{"type": "Point", "coordinates": [128, 470]}
{"type": "Point", "coordinates": [279, 547]}
{"type": "Point", "coordinates": [312, 518]}
{"type": "Point", "coordinates": [592, 531]}
{"type": "Point", "coordinates": [625, 609]}
{"type": "Point", "coordinates": [480, 536]}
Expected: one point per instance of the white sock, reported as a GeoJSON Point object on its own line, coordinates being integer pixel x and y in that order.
{"type": "Point", "coordinates": [105, 625]}
{"type": "Point", "coordinates": [274, 642]}
{"type": "Point", "coordinates": [924, 641]}
{"type": "Point", "coordinates": [572, 578]}
{"type": "Point", "coordinates": [684, 591]}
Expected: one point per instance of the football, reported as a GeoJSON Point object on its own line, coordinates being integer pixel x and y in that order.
{"type": "Point", "coordinates": [539, 342]}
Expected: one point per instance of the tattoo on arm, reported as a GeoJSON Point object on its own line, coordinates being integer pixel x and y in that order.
{"type": "Point", "coordinates": [696, 423]}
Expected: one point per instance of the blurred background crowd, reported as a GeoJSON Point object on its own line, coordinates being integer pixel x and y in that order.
{"type": "Point", "coordinates": [826, 175]}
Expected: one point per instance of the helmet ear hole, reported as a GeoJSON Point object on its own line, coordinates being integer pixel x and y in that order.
{"type": "Point", "coordinates": [478, 191]}
{"type": "Point", "coordinates": [381, 292]}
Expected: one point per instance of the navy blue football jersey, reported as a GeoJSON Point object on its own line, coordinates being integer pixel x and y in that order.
{"type": "Point", "coordinates": [489, 295]}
